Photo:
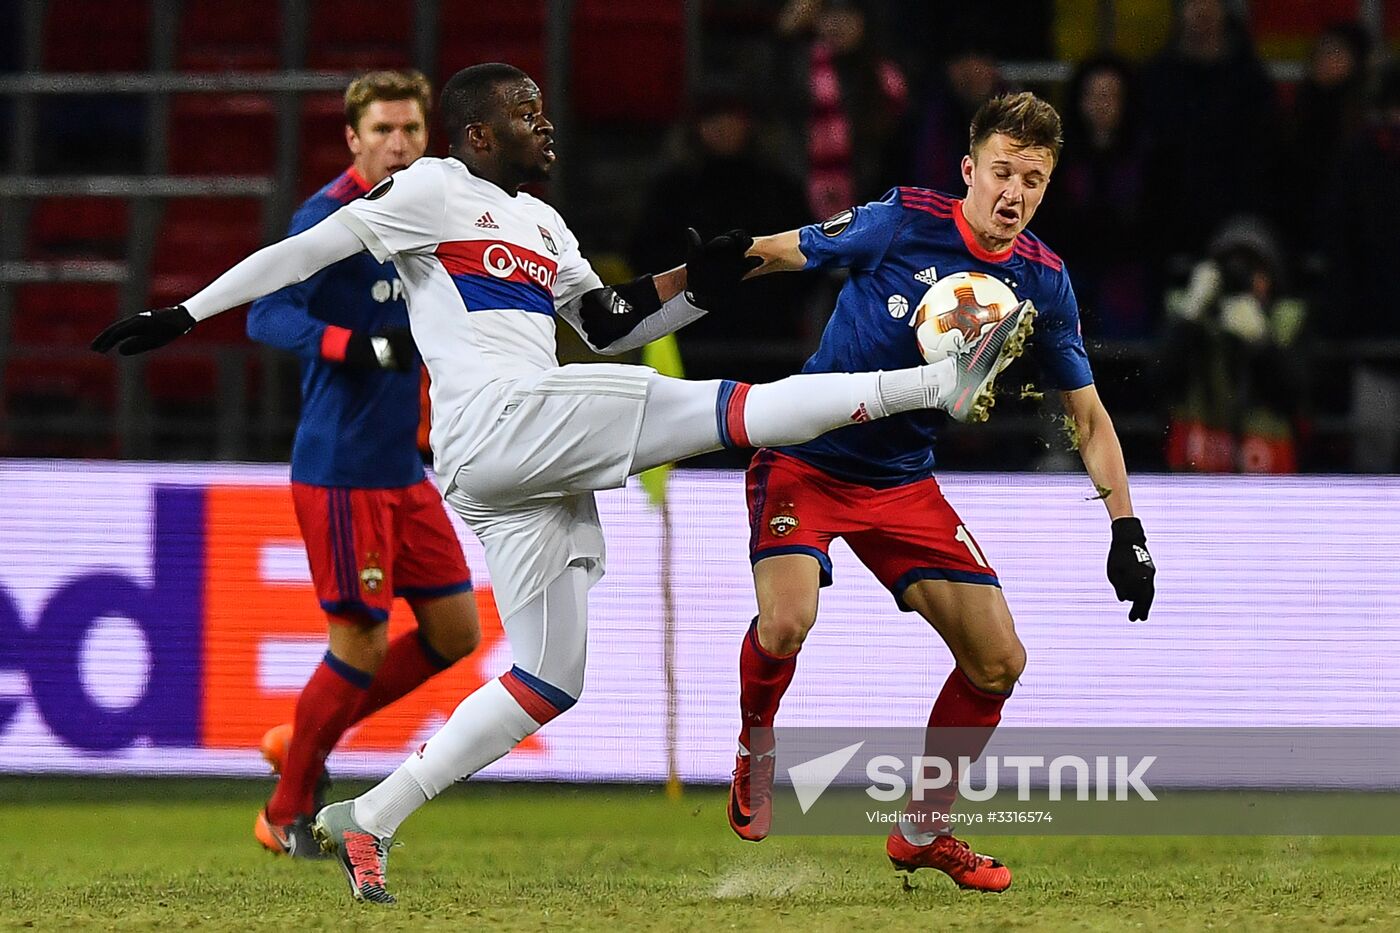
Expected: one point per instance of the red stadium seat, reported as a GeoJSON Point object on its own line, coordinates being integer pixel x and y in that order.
{"type": "Point", "coordinates": [359, 35]}
{"type": "Point", "coordinates": [97, 35]}
{"type": "Point", "coordinates": [50, 368]}
{"type": "Point", "coordinates": [323, 151]}
{"type": "Point", "coordinates": [222, 134]}
{"type": "Point", "coordinates": [216, 35]}
{"type": "Point", "coordinates": [64, 313]}
{"type": "Point", "coordinates": [476, 31]}
{"type": "Point", "coordinates": [199, 238]}
{"type": "Point", "coordinates": [649, 35]}
{"type": "Point", "coordinates": [78, 228]}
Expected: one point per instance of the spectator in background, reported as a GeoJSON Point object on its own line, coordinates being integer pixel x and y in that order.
{"type": "Point", "coordinates": [1328, 113]}
{"type": "Point", "coordinates": [969, 78]}
{"type": "Point", "coordinates": [720, 182]}
{"type": "Point", "coordinates": [1361, 230]}
{"type": "Point", "coordinates": [1233, 377]}
{"type": "Point", "coordinates": [1210, 108]}
{"type": "Point", "coordinates": [1096, 218]}
{"type": "Point", "coordinates": [856, 98]}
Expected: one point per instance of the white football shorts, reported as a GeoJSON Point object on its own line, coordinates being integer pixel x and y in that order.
{"type": "Point", "coordinates": [544, 443]}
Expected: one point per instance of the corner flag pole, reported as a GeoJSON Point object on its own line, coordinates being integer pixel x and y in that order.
{"type": "Point", "coordinates": [664, 356]}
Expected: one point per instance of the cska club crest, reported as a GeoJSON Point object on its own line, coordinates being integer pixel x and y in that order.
{"type": "Point", "coordinates": [372, 576]}
{"type": "Point", "coordinates": [784, 522]}
{"type": "Point", "coordinates": [548, 242]}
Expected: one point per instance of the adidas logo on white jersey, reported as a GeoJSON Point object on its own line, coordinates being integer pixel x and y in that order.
{"type": "Point", "coordinates": [486, 223]}
{"type": "Point", "coordinates": [928, 276]}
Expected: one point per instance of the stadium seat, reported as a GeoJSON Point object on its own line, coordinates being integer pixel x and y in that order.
{"type": "Point", "coordinates": [77, 228]}
{"type": "Point", "coordinates": [649, 35]}
{"type": "Point", "coordinates": [97, 35]}
{"type": "Point", "coordinates": [222, 134]}
{"type": "Point", "coordinates": [216, 35]}
{"type": "Point", "coordinates": [199, 238]}
{"type": "Point", "coordinates": [323, 153]}
{"type": "Point", "coordinates": [510, 31]}
{"type": "Point", "coordinates": [82, 134]}
{"type": "Point", "coordinates": [50, 372]}
{"type": "Point", "coordinates": [359, 35]}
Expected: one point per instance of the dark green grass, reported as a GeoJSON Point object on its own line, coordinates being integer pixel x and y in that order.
{"type": "Point", "coordinates": [136, 855]}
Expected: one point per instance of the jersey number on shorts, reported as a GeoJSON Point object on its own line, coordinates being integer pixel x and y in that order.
{"type": "Point", "coordinates": [965, 537]}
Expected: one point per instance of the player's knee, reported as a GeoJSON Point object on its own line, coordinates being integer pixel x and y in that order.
{"type": "Point", "coordinates": [782, 630]}
{"type": "Point", "coordinates": [362, 646]}
{"type": "Point", "coordinates": [997, 672]}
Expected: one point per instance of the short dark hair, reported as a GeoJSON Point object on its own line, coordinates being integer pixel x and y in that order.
{"type": "Point", "coordinates": [1025, 118]}
{"type": "Point", "coordinates": [385, 85]}
{"type": "Point", "coordinates": [469, 95]}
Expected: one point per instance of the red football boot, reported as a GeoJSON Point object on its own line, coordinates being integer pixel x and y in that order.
{"type": "Point", "coordinates": [751, 796]}
{"type": "Point", "coordinates": [951, 856]}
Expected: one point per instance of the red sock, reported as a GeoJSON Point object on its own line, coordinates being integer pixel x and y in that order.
{"type": "Point", "coordinates": [324, 711]}
{"type": "Point", "coordinates": [763, 679]}
{"type": "Point", "coordinates": [409, 662]}
{"type": "Point", "coordinates": [972, 714]}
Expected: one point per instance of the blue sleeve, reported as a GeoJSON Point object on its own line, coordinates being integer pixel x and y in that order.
{"type": "Point", "coordinates": [856, 238]}
{"type": "Point", "coordinates": [1058, 344]}
{"type": "Point", "coordinates": [283, 319]}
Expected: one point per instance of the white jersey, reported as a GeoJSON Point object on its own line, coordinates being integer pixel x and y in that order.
{"type": "Point", "coordinates": [485, 275]}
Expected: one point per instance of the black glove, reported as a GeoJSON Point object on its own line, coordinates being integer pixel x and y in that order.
{"type": "Point", "coordinates": [393, 349]}
{"type": "Point", "coordinates": [1130, 567]}
{"type": "Point", "coordinates": [145, 331]}
{"type": "Point", "coordinates": [714, 269]}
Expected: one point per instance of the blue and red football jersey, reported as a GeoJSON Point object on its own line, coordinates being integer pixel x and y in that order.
{"type": "Point", "coordinates": [895, 248]}
{"type": "Point", "coordinates": [358, 427]}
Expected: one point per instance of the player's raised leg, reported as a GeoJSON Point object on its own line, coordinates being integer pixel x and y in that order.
{"type": "Point", "coordinates": [683, 418]}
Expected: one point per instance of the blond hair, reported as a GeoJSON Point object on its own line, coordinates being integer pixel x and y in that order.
{"type": "Point", "coordinates": [1024, 118]}
{"type": "Point", "coordinates": [385, 85]}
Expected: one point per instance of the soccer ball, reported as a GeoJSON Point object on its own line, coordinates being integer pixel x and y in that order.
{"type": "Point", "coordinates": [957, 309]}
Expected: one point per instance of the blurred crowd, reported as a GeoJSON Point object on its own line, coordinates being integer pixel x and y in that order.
{"type": "Point", "coordinates": [1233, 240]}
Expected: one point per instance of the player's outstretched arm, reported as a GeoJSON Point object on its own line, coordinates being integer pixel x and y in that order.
{"type": "Point", "coordinates": [284, 263]}
{"type": "Point", "coordinates": [617, 318]}
{"type": "Point", "coordinates": [1130, 567]}
{"type": "Point", "coordinates": [781, 252]}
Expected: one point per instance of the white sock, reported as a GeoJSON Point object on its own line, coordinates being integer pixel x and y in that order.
{"type": "Point", "coordinates": [483, 727]}
{"type": "Point", "coordinates": [384, 806]}
{"type": "Point", "coordinates": [920, 387]}
{"type": "Point", "coordinates": [796, 409]}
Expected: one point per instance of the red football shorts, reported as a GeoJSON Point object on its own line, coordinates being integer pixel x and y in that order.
{"type": "Point", "coordinates": [367, 546]}
{"type": "Point", "coordinates": [904, 534]}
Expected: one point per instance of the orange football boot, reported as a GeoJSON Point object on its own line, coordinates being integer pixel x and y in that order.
{"type": "Point", "coordinates": [951, 856]}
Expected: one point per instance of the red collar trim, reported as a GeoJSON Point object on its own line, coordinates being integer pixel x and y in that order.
{"type": "Point", "coordinates": [970, 239]}
{"type": "Point", "coordinates": [354, 175]}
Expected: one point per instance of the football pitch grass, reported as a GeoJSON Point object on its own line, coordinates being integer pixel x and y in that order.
{"type": "Point", "coordinates": [175, 854]}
